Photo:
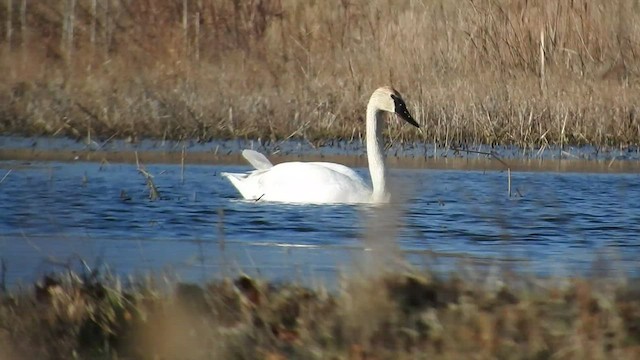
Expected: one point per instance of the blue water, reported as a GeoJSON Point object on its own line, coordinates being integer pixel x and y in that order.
{"type": "Point", "coordinates": [54, 214]}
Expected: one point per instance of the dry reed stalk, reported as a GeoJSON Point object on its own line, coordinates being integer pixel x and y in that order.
{"type": "Point", "coordinates": [185, 25]}
{"type": "Point", "coordinates": [543, 87]}
{"type": "Point", "coordinates": [106, 26]}
{"type": "Point", "coordinates": [509, 182]}
{"type": "Point", "coordinates": [64, 26]}
{"type": "Point", "coordinates": [94, 20]}
{"type": "Point", "coordinates": [154, 194]}
{"type": "Point", "coordinates": [5, 175]}
{"type": "Point", "coordinates": [196, 40]}
{"type": "Point", "coordinates": [9, 25]}
{"type": "Point", "coordinates": [182, 157]}
{"type": "Point", "coordinates": [23, 25]}
{"type": "Point", "coordinates": [71, 29]}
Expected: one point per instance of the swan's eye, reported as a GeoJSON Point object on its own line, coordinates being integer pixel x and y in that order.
{"type": "Point", "coordinates": [398, 103]}
{"type": "Point", "coordinates": [401, 110]}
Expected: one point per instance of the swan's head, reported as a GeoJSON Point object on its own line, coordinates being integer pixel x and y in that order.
{"type": "Point", "coordinates": [389, 99]}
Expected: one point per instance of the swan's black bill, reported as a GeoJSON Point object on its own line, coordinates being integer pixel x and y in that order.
{"type": "Point", "coordinates": [401, 110]}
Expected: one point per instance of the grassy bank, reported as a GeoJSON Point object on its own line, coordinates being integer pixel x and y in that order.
{"type": "Point", "coordinates": [529, 73]}
{"type": "Point", "coordinates": [399, 316]}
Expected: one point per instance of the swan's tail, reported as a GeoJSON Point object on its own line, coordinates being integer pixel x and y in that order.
{"type": "Point", "coordinates": [237, 180]}
{"type": "Point", "coordinates": [227, 175]}
{"type": "Point", "coordinates": [248, 183]}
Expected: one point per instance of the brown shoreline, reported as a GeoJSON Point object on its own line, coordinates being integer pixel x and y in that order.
{"type": "Point", "coordinates": [440, 163]}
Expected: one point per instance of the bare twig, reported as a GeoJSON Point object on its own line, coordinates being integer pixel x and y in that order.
{"type": "Point", "coordinates": [154, 194]}
{"type": "Point", "coordinates": [495, 156]}
{"type": "Point", "coordinates": [182, 165]}
{"type": "Point", "coordinates": [5, 175]}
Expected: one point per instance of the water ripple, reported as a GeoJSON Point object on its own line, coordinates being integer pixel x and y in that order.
{"type": "Point", "coordinates": [61, 209]}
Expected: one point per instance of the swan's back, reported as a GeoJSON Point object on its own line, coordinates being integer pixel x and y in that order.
{"type": "Point", "coordinates": [302, 182]}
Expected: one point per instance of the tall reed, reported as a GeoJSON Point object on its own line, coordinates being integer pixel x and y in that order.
{"type": "Point", "coordinates": [531, 73]}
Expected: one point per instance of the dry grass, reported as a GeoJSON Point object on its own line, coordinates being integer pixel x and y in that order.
{"type": "Point", "coordinates": [400, 316]}
{"type": "Point", "coordinates": [271, 69]}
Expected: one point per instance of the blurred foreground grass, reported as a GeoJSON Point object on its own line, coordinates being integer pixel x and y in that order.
{"type": "Point", "coordinates": [392, 316]}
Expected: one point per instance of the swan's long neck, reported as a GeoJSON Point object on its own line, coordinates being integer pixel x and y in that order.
{"type": "Point", "coordinates": [375, 153]}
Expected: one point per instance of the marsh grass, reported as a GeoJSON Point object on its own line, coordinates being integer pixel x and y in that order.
{"type": "Point", "coordinates": [472, 72]}
{"type": "Point", "coordinates": [405, 315]}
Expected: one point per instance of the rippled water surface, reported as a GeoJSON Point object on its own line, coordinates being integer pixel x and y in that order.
{"type": "Point", "coordinates": [53, 214]}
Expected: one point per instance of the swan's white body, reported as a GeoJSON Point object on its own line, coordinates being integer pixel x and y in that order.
{"type": "Point", "coordinates": [302, 182]}
{"type": "Point", "coordinates": [324, 182]}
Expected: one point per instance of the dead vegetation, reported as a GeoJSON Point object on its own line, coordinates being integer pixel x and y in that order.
{"type": "Point", "coordinates": [400, 316]}
{"type": "Point", "coordinates": [526, 73]}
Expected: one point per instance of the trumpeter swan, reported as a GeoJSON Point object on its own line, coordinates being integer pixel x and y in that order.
{"type": "Point", "coordinates": [323, 182]}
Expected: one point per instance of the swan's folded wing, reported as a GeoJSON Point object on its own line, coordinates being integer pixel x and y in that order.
{"type": "Point", "coordinates": [346, 171]}
{"type": "Point", "coordinates": [303, 182]}
{"type": "Point", "coordinates": [256, 159]}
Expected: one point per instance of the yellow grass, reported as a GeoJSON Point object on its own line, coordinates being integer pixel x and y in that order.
{"type": "Point", "coordinates": [270, 69]}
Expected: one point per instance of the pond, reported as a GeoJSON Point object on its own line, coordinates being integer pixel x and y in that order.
{"type": "Point", "coordinates": [88, 215]}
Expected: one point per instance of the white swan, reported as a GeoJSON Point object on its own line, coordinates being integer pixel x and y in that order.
{"type": "Point", "coordinates": [323, 182]}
